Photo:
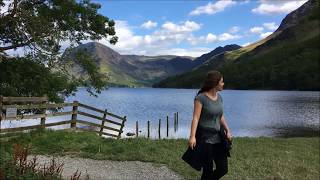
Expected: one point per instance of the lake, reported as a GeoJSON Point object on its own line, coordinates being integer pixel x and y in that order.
{"type": "Point", "coordinates": [248, 112]}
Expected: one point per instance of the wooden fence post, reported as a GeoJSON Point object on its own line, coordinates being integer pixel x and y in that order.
{"type": "Point", "coordinates": [43, 111]}
{"type": "Point", "coordinates": [177, 121]}
{"type": "Point", "coordinates": [74, 114]}
{"type": "Point", "coordinates": [102, 124]}
{"type": "Point", "coordinates": [148, 129]}
{"type": "Point", "coordinates": [137, 129]}
{"type": "Point", "coordinates": [1, 97]}
{"type": "Point", "coordinates": [122, 125]}
{"type": "Point", "coordinates": [167, 126]}
{"type": "Point", "coordinates": [159, 130]}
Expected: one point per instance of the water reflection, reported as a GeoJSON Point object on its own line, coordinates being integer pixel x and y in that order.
{"type": "Point", "coordinates": [249, 113]}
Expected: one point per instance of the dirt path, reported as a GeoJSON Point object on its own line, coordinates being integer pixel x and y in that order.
{"type": "Point", "coordinates": [105, 169]}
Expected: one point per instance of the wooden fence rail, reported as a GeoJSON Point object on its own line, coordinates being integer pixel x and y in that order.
{"type": "Point", "coordinates": [16, 104]}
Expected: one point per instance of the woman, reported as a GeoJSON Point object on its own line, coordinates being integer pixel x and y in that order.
{"type": "Point", "coordinates": [205, 128]}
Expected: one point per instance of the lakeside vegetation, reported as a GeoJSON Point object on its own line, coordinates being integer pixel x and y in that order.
{"type": "Point", "coordinates": [252, 158]}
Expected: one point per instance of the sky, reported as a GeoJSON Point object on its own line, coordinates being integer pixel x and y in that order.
{"type": "Point", "coordinates": [191, 27]}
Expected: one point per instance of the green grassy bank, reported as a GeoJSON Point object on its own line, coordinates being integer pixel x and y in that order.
{"type": "Point", "coordinates": [252, 158]}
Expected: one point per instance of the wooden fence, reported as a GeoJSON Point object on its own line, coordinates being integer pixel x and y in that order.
{"type": "Point", "coordinates": [175, 126]}
{"type": "Point", "coordinates": [11, 106]}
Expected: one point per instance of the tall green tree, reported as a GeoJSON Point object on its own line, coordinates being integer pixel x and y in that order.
{"type": "Point", "coordinates": [40, 27]}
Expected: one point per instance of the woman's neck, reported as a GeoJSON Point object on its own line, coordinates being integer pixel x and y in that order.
{"type": "Point", "coordinates": [212, 92]}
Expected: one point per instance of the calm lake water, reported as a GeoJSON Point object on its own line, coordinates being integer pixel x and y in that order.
{"type": "Point", "coordinates": [248, 113]}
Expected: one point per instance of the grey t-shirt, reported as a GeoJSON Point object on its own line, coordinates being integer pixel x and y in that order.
{"type": "Point", "coordinates": [210, 116]}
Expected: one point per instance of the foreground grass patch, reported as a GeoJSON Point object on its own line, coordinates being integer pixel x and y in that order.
{"type": "Point", "coordinates": [252, 158]}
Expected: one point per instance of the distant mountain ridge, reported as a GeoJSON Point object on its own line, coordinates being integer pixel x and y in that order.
{"type": "Point", "coordinates": [205, 57]}
{"type": "Point", "coordinates": [135, 70]}
{"type": "Point", "coordinates": [288, 59]}
{"type": "Point", "coordinates": [132, 70]}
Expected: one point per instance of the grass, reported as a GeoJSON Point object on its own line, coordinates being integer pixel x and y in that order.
{"type": "Point", "coordinates": [252, 158]}
{"type": "Point", "coordinates": [232, 55]}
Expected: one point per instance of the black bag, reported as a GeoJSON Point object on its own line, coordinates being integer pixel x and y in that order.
{"type": "Point", "coordinates": [225, 141]}
{"type": "Point", "coordinates": [192, 157]}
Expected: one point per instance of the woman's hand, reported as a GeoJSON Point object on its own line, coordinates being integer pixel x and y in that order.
{"type": "Point", "coordinates": [229, 136]}
{"type": "Point", "coordinates": [192, 142]}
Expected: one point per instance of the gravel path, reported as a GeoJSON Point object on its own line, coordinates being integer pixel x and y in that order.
{"type": "Point", "coordinates": [105, 169]}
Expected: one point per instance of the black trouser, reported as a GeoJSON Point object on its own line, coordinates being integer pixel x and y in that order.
{"type": "Point", "coordinates": [215, 153]}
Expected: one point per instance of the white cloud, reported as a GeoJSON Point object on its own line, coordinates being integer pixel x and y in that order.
{"type": "Point", "coordinates": [188, 26]}
{"type": "Point", "coordinates": [212, 8]}
{"type": "Point", "coordinates": [270, 26]}
{"type": "Point", "coordinates": [147, 39]}
{"type": "Point", "coordinates": [227, 36]}
{"type": "Point", "coordinates": [170, 33]}
{"type": "Point", "coordinates": [149, 24]}
{"type": "Point", "coordinates": [193, 52]}
{"type": "Point", "coordinates": [164, 40]}
{"type": "Point", "coordinates": [243, 1]}
{"type": "Point", "coordinates": [263, 35]}
{"type": "Point", "coordinates": [211, 38]}
{"type": "Point", "coordinates": [256, 30]}
{"type": "Point", "coordinates": [246, 44]}
{"type": "Point", "coordinates": [157, 42]}
{"type": "Point", "coordinates": [277, 7]}
{"type": "Point", "coordinates": [196, 40]}
{"type": "Point", "coordinates": [127, 40]}
{"type": "Point", "coordinates": [234, 29]}
{"type": "Point", "coordinates": [126, 37]}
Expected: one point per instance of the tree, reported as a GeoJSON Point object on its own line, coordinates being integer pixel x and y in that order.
{"type": "Point", "coordinates": [35, 80]}
{"type": "Point", "coordinates": [41, 26]}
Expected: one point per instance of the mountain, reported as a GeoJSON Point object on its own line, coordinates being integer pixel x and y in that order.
{"type": "Point", "coordinates": [135, 70]}
{"type": "Point", "coordinates": [110, 63]}
{"type": "Point", "coordinates": [288, 59]}
{"type": "Point", "coordinates": [205, 57]}
{"type": "Point", "coordinates": [130, 70]}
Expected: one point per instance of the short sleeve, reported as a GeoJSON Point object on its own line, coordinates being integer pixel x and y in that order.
{"type": "Point", "coordinates": [221, 100]}
{"type": "Point", "coordinates": [220, 97]}
{"type": "Point", "coordinates": [199, 97]}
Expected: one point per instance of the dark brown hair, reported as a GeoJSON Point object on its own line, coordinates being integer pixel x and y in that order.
{"type": "Point", "coordinates": [211, 81]}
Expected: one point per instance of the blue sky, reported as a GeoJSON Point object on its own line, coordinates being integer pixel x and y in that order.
{"type": "Point", "coordinates": [187, 27]}
{"type": "Point", "coordinates": [191, 27]}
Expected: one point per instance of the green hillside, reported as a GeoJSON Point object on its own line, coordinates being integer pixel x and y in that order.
{"type": "Point", "coordinates": [194, 78]}
{"type": "Point", "coordinates": [124, 70]}
{"type": "Point", "coordinates": [117, 78]}
{"type": "Point", "coordinates": [288, 59]}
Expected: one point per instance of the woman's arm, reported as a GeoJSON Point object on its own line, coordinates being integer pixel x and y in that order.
{"type": "Point", "coordinates": [194, 124]}
{"type": "Point", "coordinates": [223, 122]}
